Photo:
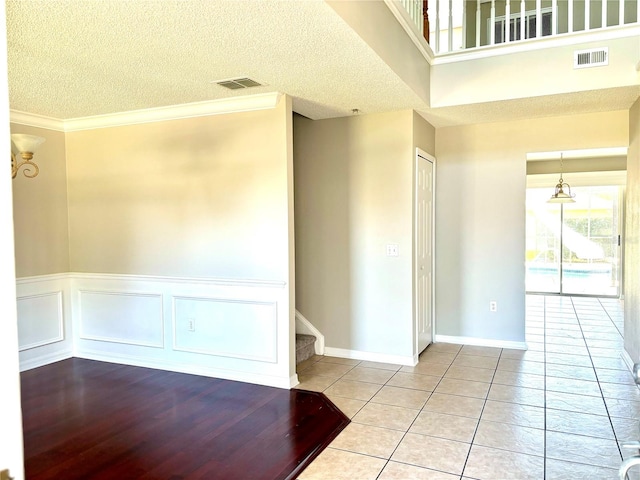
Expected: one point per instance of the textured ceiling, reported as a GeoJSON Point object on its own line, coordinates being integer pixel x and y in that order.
{"type": "Point", "coordinates": [77, 58]}
{"type": "Point", "coordinates": [603, 100]}
{"type": "Point", "coordinates": [73, 58]}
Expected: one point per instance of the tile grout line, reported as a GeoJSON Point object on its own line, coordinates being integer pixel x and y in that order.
{"type": "Point", "coordinates": [544, 384]}
{"type": "Point", "coordinates": [341, 377]}
{"type": "Point", "coordinates": [420, 411]}
{"type": "Point", "coordinates": [612, 321]}
{"type": "Point", "coordinates": [575, 307]}
{"type": "Point", "coordinates": [381, 386]}
{"type": "Point", "coordinates": [615, 435]}
{"type": "Point", "coordinates": [475, 432]}
{"type": "Point", "coordinates": [404, 434]}
{"type": "Point", "coordinates": [606, 407]}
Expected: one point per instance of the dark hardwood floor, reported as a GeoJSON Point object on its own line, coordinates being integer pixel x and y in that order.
{"type": "Point", "coordinates": [93, 420]}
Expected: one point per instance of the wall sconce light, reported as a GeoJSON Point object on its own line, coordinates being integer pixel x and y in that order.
{"type": "Point", "coordinates": [560, 196]}
{"type": "Point", "coordinates": [26, 145]}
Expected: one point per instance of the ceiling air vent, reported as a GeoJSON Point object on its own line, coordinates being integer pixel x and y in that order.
{"type": "Point", "coordinates": [238, 83]}
{"type": "Point", "coordinates": [595, 57]}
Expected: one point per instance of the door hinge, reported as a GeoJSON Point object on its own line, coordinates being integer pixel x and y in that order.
{"type": "Point", "coordinates": [619, 240]}
{"type": "Point", "coordinates": [4, 475]}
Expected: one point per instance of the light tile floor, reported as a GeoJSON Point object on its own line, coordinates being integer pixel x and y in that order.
{"type": "Point", "coordinates": [559, 410]}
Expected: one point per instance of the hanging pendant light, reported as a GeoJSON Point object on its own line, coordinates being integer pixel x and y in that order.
{"type": "Point", "coordinates": [560, 196]}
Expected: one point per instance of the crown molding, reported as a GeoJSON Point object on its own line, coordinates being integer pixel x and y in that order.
{"type": "Point", "coordinates": [245, 103]}
{"type": "Point", "coordinates": [32, 120]}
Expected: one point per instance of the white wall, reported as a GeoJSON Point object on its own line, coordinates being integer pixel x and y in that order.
{"type": "Point", "coordinates": [45, 331]}
{"type": "Point", "coordinates": [223, 328]}
{"type": "Point", "coordinates": [480, 217]}
{"type": "Point", "coordinates": [11, 450]}
{"type": "Point", "coordinates": [526, 74]}
{"type": "Point", "coordinates": [11, 453]}
{"type": "Point", "coordinates": [632, 240]}
{"type": "Point", "coordinates": [239, 330]}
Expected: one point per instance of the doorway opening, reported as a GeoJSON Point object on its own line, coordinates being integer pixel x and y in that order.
{"type": "Point", "coordinates": [576, 248]}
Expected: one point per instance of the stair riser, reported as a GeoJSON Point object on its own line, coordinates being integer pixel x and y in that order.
{"type": "Point", "coordinates": [305, 353]}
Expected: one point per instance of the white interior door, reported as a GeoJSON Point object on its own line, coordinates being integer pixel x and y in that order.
{"type": "Point", "coordinates": [423, 251]}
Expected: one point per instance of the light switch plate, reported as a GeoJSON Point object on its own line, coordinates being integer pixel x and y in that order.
{"type": "Point", "coordinates": [392, 250]}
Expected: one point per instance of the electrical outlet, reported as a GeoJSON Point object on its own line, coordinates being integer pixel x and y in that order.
{"type": "Point", "coordinates": [191, 324]}
{"type": "Point", "coordinates": [4, 475]}
{"type": "Point", "coordinates": [493, 306]}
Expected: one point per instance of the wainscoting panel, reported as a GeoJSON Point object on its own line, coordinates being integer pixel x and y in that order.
{"type": "Point", "coordinates": [42, 320]}
{"type": "Point", "coordinates": [228, 328]}
{"type": "Point", "coordinates": [131, 318]}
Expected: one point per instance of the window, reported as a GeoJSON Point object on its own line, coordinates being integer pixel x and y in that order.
{"type": "Point", "coordinates": [515, 25]}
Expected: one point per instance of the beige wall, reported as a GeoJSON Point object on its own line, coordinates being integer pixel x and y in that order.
{"type": "Point", "coordinates": [632, 240]}
{"type": "Point", "coordinates": [424, 134]}
{"type": "Point", "coordinates": [480, 215]}
{"type": "Point", "coordinates": [322, 226]}
{"type": "Point", "coordinates": [199, 197]}
{"type": "Point", "coordinates": [40, 209]}
{"type": "Point", "coordinates": [354, 195]}
{"type": "Point", "coordinates": [379, 28]}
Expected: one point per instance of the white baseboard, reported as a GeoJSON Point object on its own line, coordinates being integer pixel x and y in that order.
{"type": "Point", "coordinates": [43, 360]}
{"type": "Point", "coordinates": [410, 361]}
{"type": "Point", "coordinates": [626, 358]}
{"type": "Point", "coordinates": [480, 342]}
{"type": "Point", "coordinates": [306, 327]}
{"type": "Point", "coordinates": [237, 376]}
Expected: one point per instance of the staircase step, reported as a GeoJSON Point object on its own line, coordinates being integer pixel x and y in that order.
{"type": "Point", "coordinates": [305, 347]}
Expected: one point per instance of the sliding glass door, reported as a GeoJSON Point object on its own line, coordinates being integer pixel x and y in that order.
{"type": "Point", "coordinates": [574, 248]}
{"type": "Point", "coordinates": [543, 242]}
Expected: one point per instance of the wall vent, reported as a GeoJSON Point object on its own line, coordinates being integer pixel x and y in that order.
{"type": "Point", "coordinates": [238, 83]}
{"type": "Point", "coordinates": [595, 57]}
